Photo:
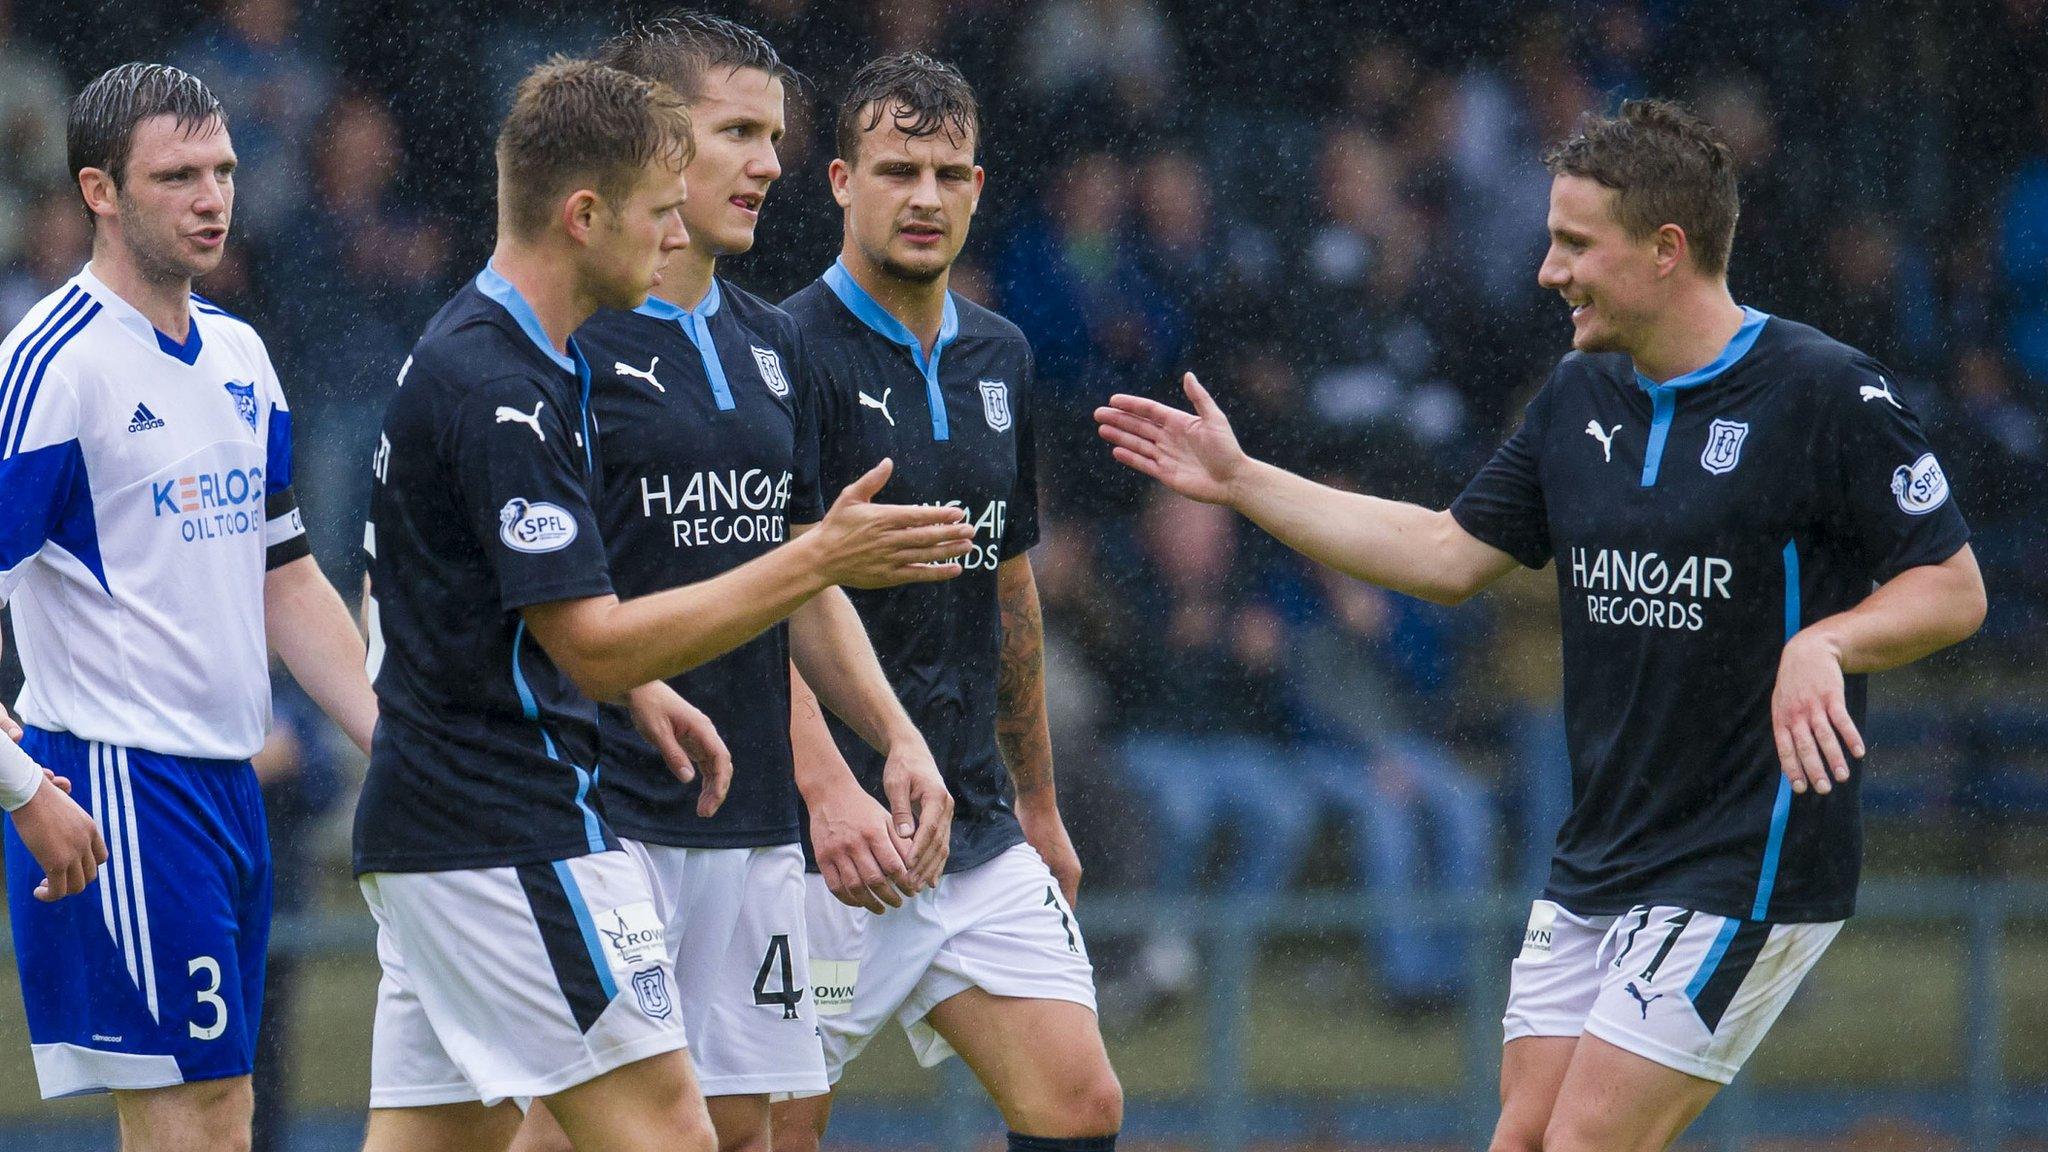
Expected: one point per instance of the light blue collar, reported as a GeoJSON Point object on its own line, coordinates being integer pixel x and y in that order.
{"type": "Point", "coordinates": [492, 284]}
{"type": "Point", "coordinates": [663, 310]}
{"type": "Point", "coordinates": [1738, 346]}
{"type": "Point", "coordinates": [870, 312]}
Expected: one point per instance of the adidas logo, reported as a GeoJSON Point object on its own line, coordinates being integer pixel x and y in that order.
{"type": "Point", "coordinates": [144, 419]}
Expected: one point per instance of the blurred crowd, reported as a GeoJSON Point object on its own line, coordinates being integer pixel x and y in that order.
{"type": "Point", "coordinates": [1332, 212]}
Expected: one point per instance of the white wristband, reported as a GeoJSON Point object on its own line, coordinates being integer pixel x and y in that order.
{"type": "Point", "coordinates": [20, 776]}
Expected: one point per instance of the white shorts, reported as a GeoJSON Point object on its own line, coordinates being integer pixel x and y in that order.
{"type": "Point", "coordinates": [1002, 926]}
{"type": "Point", "coordinates": [734, 918]}
{"type": "Point", "coordinates": [517, 982]}
{"type": "Point", "coordinates": [1689, 990]}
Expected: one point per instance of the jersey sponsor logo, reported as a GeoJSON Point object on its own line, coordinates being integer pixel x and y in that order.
{"type": "Point", "coordinates": [1920, 487]}
{"type": "Point", "coordinates": [244, 396]}
{"type": "Point", "coordinates": [625, 369]}
{"type": "Point", "coordinates": [143, 420]}
{"type": "Point", "coordinates": [211, 505]}
{"type": "Point", "coordinates": [1537, 937]}
{"type": "Point", "coordinates": [995, 404]}
{"type": "Point", "coordinates": [882, 405]}
{"type": "Point", "coordinates": [720, 507]}
{"type": "Point", "coordinates": [771, 369]}
{"type": "Point", "coordinates": [1604, 436]}
{"type": "Point", "coordinates": [1882, 392]}
{"type": "Point", "coordinates": [986, 550]}
{"type": "Point", "coordinates": [1646, 589]}
{"type": "Point", "coordinates": [515, 416]}
{"type": "Point", "coordinates": [533, 527]}
{"type": "Point", "coordinates": [833, 983]}
{"type": "Point", "coordinates": [1724, 446]}
{"type": "Point", "coordinates": [650, 987]}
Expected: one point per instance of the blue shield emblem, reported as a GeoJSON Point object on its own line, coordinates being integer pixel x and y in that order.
{"type": "Point", "coordinates": [651, 986]}
{"type": "Point", "coordinates": [1724, 446]}
{"type": "Point", "coordinates": [995, 404]}
{"type": "Point", "coordinates": [245, 401]}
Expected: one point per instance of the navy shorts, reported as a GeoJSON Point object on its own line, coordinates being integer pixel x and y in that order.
{"type": "Point", "coordinates": [153, 975]}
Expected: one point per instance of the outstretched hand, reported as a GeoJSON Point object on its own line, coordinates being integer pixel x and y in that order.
{"type": "Point", "coordinates": [870, 545]}
{"type": "Point", "coordinates": [1194, 453]}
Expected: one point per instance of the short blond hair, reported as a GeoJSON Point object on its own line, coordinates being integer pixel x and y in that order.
{"type": "Point", "coordinates": [577, 124]}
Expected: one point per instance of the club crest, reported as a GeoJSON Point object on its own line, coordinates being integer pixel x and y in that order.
{"type": "Point", "coordinates": [771, 369]}
{"type": "Point", "coordinates": [245, 400]}
{"type": "Point", "coordinates": [651, 987]}
{"type": "Point", "coordinates": [1724, 446]}
{"type": "Point", "coordinates": [995, 404]}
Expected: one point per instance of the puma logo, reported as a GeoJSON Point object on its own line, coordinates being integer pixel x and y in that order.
{"type": "Point", "coordinates": [515, 416]}
{"type": "Point", "coordinates": [1644, 1004]}
{"type": "Point", "coordinates": [882, 405]}
{"type": "Point", "coordinates": [1606, 438]}
{"type": "Point", "coordinates": [1867, 393]}
{"type": "Point", "coordinates": [625, 369]}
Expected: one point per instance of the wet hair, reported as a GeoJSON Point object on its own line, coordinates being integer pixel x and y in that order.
{"type": "Point", "coordinates": [1668, 166]}
{"type": "Point", "coordinates": [577, 123]}
{"type": "Point", "coordinates": [682, 48]}
{"type": "Point", "coordinates": [100, 129]}
{"type": "Point", "coordinates": [923, 96]}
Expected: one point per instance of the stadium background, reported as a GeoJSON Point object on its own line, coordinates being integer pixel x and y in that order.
{"type": "Point", "coordinates": [1334, 213]}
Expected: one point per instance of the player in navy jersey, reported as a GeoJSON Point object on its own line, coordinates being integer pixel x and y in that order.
{"type": "Point", "coordinates": [522, 954]}
{"type": "Point", "coordinates": [1746, 521]}
{"type": "Point", "coordinates": [989, 962]}
{"type": "Point", "coordinates": [152, 557]}
{"type": "Point", "coordinates": [708, 447]}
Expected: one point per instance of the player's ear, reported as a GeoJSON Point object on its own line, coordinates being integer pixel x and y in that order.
{"type": "Point", "coordinates": [839, 173]}
{"type": "Point", "coordinates": [96, 187]}
{"type": "Point", "coordinates": [1672, 245]}
{"type": "Point", "coordinates": [980, 181]}
{"type": "Point", "coordinates": [579, 214]}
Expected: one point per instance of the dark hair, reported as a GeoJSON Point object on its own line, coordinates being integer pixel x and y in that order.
{"type": "Point", "coordinates": [923, 96]}
{"type": "Point", "coordinates": [577, 122]}
{"type": "Point", "coordinates": [1669, 166]}
{"type": "Point", "coordinates": [681, 48]}
{"type": "Point", "coordinates": [100, 130]}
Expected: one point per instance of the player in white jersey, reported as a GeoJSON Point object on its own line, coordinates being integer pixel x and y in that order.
{"type": "Point", "coordinates": [151, 555]}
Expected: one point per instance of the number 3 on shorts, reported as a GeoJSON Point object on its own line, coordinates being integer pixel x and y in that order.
{"type": "Point", "coordinates": [208, 996]}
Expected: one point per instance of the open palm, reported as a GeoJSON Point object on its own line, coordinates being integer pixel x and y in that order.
{"type": "Point", "coordinates": [1194, 453]}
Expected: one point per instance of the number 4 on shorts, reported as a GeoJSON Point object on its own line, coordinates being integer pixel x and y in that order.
{"type": "Point", "coordinates": [792, 992]}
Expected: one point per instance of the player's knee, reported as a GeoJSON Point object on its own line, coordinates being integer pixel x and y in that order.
{"type": "Point", "coordinates": [1090, 1106]}
{"type": "Point", "coordinates": [797, 1127]}
{"type": "Point", "coordinates": [748, 1140]}
{"type": "Point", "coordinates": [1516, 1142]}
{"type": "Point", "coordinates": [209, 1115]}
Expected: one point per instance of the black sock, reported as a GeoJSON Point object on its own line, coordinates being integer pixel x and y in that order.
{"type": "Point", "coordinates": [1022, 1143]}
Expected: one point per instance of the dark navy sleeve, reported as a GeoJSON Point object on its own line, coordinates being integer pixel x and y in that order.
{"type": "Point", "coordinates": [1504, 504]}
{"type": "Point", "coordinates": [806, 501]}
{"type": "Point", "coordinates": [1891, 503]}
{"type": "Point", "coordinates": [523, 489]}
{"type": "Point", "coordinates": [1020, 523]}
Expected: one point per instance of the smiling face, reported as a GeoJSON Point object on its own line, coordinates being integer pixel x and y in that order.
{"type": "Point", "coordinates": [738, 120]}
{"type": "Point", "coordinates": [171, 207]}
{"type": "Point", "coordinates": [908, 200]}
{"type": "Point", "coordinates": [1613, 282]}
{"type": "Point", "coordinates": [627, 244]}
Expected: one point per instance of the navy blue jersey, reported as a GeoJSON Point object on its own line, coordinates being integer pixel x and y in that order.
{"type": "Point", "coordinates": [486, 753]}
{"type": "Point", "coordinates": [960, 430]}
{"type": "Point", "coordinates": [709, 442]}
{"type": "Point", "coordinates": [1696, 526]}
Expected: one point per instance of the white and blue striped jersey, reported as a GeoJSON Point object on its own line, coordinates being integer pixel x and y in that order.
{"type": "Point", "coordinates": [145, 489]}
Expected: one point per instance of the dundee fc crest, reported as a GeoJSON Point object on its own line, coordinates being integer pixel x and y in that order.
{"type": "Point", "coordinates": [995, 404]}
{"type": "Point", "coordinates": [1724, 446]}
{"type": "Point", "coordinates": [771, 369]}
{"type": "Point", "coordinates": [651, 987]}
{"type": "Point", "coordinates": [245, 400]}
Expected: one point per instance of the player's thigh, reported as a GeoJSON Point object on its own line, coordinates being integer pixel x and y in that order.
{"type": "Point", "coordinates": [741, 1122]}
{"type": "Point", "coordinates": [651, 1105]}
{"type": "Point", "coordinates": [469, 1127]}
{"type": "Point", "coordinates": [799, 1125]}
{"type": "Point", "coordinates": [864, 967]}
{"type": "Point", "coordinates": [540, 1132]}
{"type": "Point", "coordinates": [1532, 1069]}
{"type": "Point", "coordinates": [1042, 1061]}
{"type": "Point", "coordinates": [1613, 1100]}
{"type": "Point", "coordinates": [203, 1116]}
